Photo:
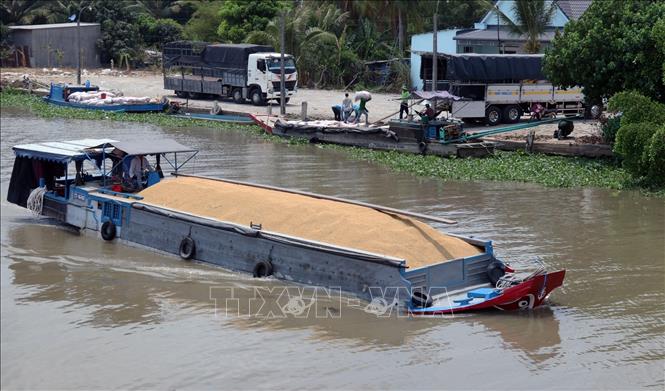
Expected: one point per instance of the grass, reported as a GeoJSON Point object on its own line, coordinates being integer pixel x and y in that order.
{"type": "Point", "coordinates": [550, 171]}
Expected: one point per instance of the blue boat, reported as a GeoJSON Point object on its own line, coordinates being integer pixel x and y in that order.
{"type": "Point", "coordinates": [231, 118]}
{"type": "Point", "coordinates": [58, 95]}
{"type": "Point", "coordinates": [382, 255]}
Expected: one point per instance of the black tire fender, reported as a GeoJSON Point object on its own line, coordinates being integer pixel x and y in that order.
{"type": "Point", "coordinates": [187, 248]}
{"type": "Point", "coordinates": [108, 230]}
{"type": "Point", "coordinates": [420, 299]}
{"type": "Point", "coordinates": [262, 269]}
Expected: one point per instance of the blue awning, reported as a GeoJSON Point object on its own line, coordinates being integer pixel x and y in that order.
{"type": "Point", "coordinates": [60, 151]}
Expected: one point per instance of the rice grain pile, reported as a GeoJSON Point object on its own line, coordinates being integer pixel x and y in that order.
{"type": "Point", "coordinates": [310, 218]}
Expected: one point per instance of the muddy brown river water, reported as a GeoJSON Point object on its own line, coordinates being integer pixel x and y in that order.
{"type": "Point", "coordinates": [81, 313]}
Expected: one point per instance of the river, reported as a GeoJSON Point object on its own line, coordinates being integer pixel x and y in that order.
{"type": "Point", "coordinates": [78, 312]}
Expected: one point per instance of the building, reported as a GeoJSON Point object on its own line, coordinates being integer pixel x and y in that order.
{"type": "Point", "coordinates": [54, 45]}
{"type": "Point", "coordinates": [491, 34]}
{"type": "Point", "coordinates": [424, 43]}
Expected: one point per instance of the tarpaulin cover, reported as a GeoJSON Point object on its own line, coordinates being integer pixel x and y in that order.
{"type": "Point", "coordinates": [333, 222]}
{"type": "Point", "coordinates": [487, 68]}
{"type": "Point", "coordinates": [231, 55]}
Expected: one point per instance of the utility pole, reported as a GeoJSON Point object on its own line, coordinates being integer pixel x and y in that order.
{"type": "Point", "coordinates": [435, 56]}
{"type": "Point", "coordinates": [78, 45]}
{"type": "Point", "coordinates": [282, 89]}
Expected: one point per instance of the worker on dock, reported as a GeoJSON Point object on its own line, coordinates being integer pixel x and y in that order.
{"type": "Point", "coordinates": [337, 112]}
{"type": "Point", "coordinates": [404, 105]}
{"type": "Point", "coordinates": [362, 110]}
{"type": "Point", "coordinates": [347, 107]}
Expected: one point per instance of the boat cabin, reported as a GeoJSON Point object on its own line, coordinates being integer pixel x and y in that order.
{"type": "Point", "coordinates": [78, 172]}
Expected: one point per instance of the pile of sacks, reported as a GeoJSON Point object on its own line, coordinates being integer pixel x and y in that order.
{"type": "Point", "coordinates": [100, 98]}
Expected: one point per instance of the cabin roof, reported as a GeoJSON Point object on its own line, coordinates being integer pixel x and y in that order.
{"type": "Point", "coordinates": [60, 151]}
{"type": "Point", "coordinates": [151, 146]}
{"type": "Point", "coordinates": [66, 151]}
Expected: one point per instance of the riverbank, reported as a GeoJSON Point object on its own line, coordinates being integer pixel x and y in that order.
{"type": "Point", "coordinates": [551, 171]}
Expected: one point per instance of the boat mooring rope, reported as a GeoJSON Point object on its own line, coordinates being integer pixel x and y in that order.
{"type": "Point", "coordinates": [36, 200]}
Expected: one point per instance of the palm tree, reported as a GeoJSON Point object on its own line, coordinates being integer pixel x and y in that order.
{"type": "Point", "coordinates": [531, 20]}
{"type": "Point", "coordinates": [22, 11]}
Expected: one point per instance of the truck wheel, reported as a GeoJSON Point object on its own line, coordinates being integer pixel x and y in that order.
{"type": "Point", "coordinates": [256, 97]}
{"type": "Point", "coordinates": [511, 114]}
{"type": "Point", "coordinates": [493, 115]}
{"type": "Point", "coordinates": [237, 96]}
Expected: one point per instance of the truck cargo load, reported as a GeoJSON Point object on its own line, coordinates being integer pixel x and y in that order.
{"type": "Point", "coordinates": [231, 55]}
{"type": "Point", "coordinates": [484, 67]}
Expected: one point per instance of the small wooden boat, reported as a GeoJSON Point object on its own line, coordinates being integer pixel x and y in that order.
{"type": "Point", "coordinates": [229, 118]}
{"type": "Point", "coordinates": [59, 95]}
{"type": "Point", "coordinates": [385, 256]}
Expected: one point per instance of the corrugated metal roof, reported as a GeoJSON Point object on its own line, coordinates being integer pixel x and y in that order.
{"type": "Point", "coordinates": [574, 8]}
{"type": "Point", "coordinates": [49, 26]}
{"type": "Point", "coordinates": [490, 35]}
{"type": "Point", "coordinates": [151, 146]}
{"type": "Point", "coordinates": [60, 151]}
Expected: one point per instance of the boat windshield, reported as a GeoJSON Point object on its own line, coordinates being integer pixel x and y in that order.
{"type": "Point", "coordinates": [274, 65]}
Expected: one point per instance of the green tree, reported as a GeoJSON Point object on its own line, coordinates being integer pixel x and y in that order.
{"type": "Point", "coordinates": [120, 32]}
{"type": "Point", "coordinates": [23, 11]}
{"type": "Point", "coordinates": [178, 10]}
{"type": "Point", "coordinates": [611, 48]}
{"type": "Point", "coordinates": [157, 32]}
{"type": "Point", "coordinates": [203, 24]}
{"type": "Point", "coordinates": [531, 19]}
{"type": "Point", "coordinates": [240, 17]}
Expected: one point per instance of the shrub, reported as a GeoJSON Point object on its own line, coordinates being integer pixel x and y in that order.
{"type": "Point", "coordinates": [636, 108]}
{"type": "Point", "coordinates": [631, 145]}
{"type": "Point", "coordinates": [654, 158]}
{"type": "Point", "coordinates": [609, 128]}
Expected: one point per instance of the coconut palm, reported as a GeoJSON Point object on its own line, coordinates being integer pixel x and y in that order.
{"type": "Point", "coordinates": [531, 20]}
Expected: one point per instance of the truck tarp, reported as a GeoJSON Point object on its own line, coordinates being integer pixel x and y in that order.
{"type": "Point", "coordinates": [231, 56]}
{"type": "Point", "coordinates": [485, 68]}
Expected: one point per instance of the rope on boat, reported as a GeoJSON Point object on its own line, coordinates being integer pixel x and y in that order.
{"type": "Point", "coordinates": [35, 201]}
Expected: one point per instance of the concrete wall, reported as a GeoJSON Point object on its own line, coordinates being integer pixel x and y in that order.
{"type": "Point", "coordinates": [45, 44]}
{"type": "Point", "coordinates": [423, 43]}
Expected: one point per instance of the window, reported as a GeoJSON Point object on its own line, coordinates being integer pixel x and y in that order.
{"type": "Point", "coordinates": [261, 65]}
{"type": "Point", "coordinates": [468, 49]}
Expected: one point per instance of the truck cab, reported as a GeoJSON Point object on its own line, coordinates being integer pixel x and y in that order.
{"type": "Point", "coordinates": [263, 77]}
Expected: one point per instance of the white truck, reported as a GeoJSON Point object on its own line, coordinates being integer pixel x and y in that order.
{"type": "Point", "coordinates": [499, 88]}
{"type": "Point", "coordinates": [237, 71]}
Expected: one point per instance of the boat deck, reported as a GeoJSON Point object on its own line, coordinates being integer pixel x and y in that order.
{"type": "Point", "coordinates": [327, 221]}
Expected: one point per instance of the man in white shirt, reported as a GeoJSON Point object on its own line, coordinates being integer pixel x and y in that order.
{"type": "Point", "coordinates": [136, 168]}
{"type": "Point", "coordinates": [347, 107]}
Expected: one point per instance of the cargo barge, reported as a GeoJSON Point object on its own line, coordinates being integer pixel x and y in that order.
{"type": "Point", "coordinates": [382, 255]}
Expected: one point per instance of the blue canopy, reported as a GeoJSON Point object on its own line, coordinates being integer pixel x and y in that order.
{"type": "Point", "coordinates": [61, 151]}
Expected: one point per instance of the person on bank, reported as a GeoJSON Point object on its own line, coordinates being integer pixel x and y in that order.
{"type": "Point", "coordinates": [362, 110]}
{"type": "Point", "coordinates": [404, 105]}
{"type": "Point", "coordinates": [337, 112]}
{"type": "Point", "coordinates": [347, 107]}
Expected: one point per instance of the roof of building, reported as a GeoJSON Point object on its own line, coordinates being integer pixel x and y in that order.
{"type": "Point", "coordinates": [504, 35]}
{"type": "Point", "coordinates": [574, 8]}
{"type": "Point", "coordinates": [49, 26]}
